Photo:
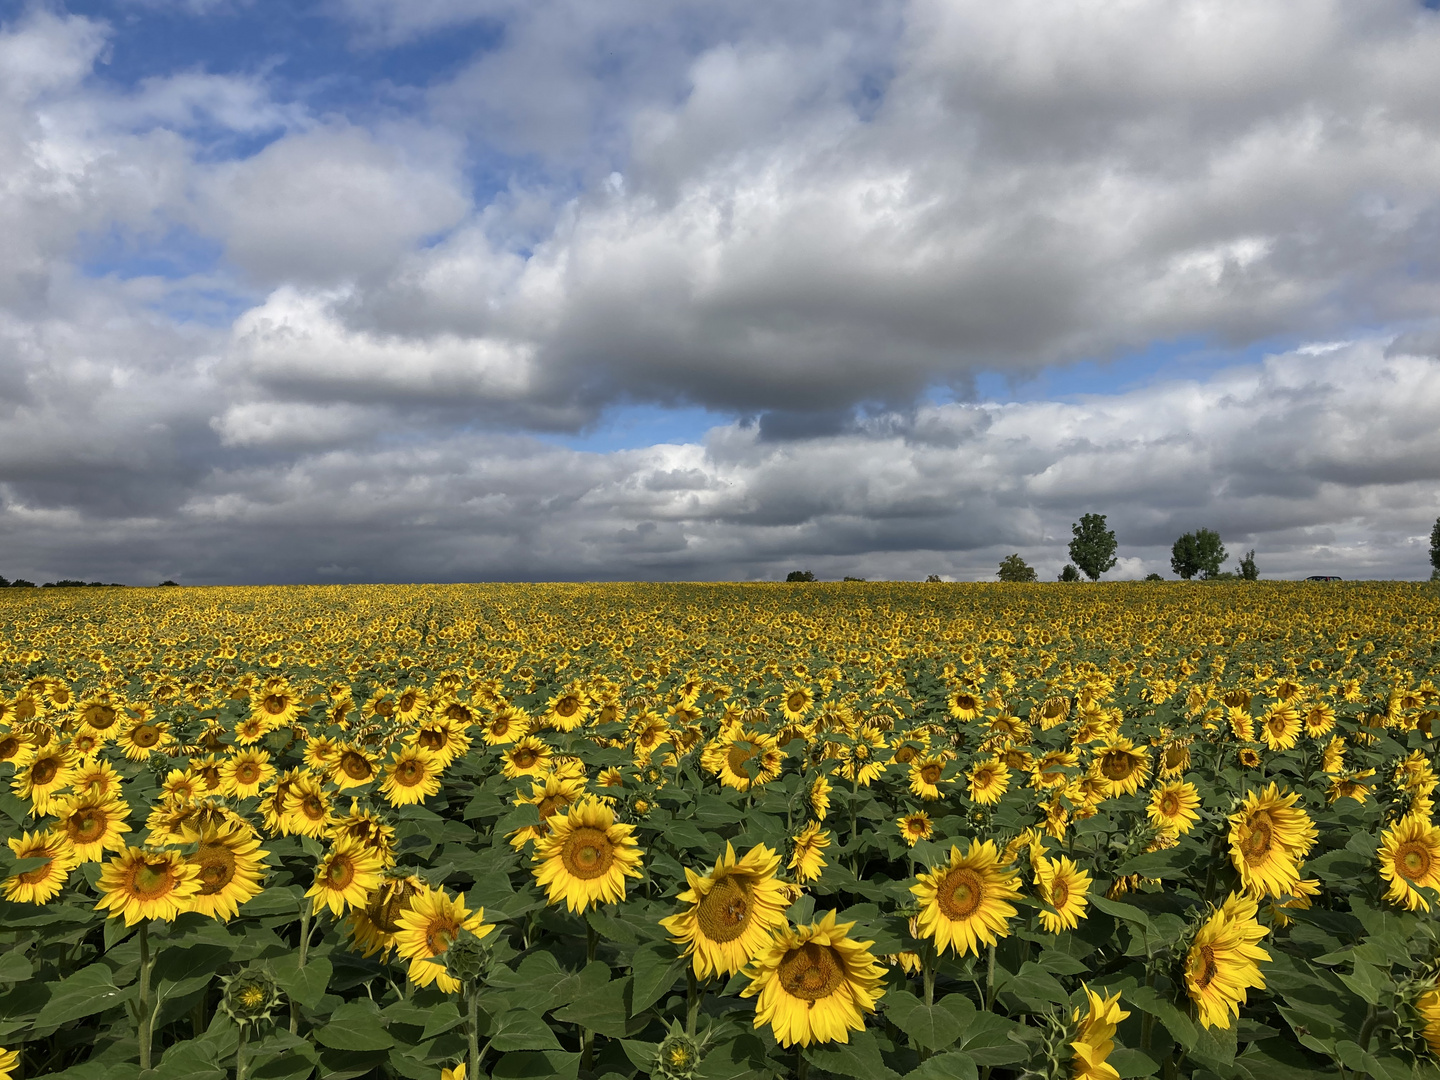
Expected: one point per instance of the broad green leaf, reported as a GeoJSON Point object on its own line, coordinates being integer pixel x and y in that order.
{"type": "Point", "coordinates": [930, 1027]}
{"type": "Point", "coordinates": [520, 1029]}
{"type": "Point", "coordinates": [859, 1058]}
{"type": "Point", "coordinates": [356, 1025]}
{"type": "Point", "coordinates": [304, 985]}
{"type": "Point", "coordinates": [952, 1065]}
{"type": "Point", "coordinates": [89, 991]}
{"type": "Point", "coordinates": [527, 1064]}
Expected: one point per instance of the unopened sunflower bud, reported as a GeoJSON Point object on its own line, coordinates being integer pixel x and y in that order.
{"type": "Point", "coordinates": [678, 1057]}
{"type": "Point", "coordinates": [467, 959]}
{"type": "Point", "coordinates": [250, 996]}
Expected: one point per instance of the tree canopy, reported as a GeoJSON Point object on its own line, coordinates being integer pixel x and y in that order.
{"type": "Point", "coordinates": [1198, 552]}
{"type": "Point", "coordinates": [1014, 568]}
{"type": "Point", "coordinates": [1093, 546]}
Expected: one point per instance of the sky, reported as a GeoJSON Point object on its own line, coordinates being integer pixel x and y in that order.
{"type": "Point", "coordinates": [473, 290]}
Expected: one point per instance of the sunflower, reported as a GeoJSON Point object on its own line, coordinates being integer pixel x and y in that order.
{"type": "Point", "coordinates": [798, 701]}
{"type": "Point", "coordinates": [321, 752]}
{"type": "Point", "coordinates": [1064, 887]}
{"type": "Point", "coordinates": [989, 780]}
{"type": "Point", "coordinates": [1269, 837]}
{"type": "Point", "coordinates": [1123, 764]}
{"type": "Point", "coordinates": [649, 730]}
{"type": "Point", "coordinates": [526, 756]}
{"type": "Point", "coordinates": [428, 928]}
{"type": "Point", "coordinates": [926, 775]}
{"type": "Point", "coordinates": [44, 882]}
{"type": "Point", "coordinates": [1280, 726]}
{"type": "Point", "coordinates": [352, 768]}
{"type": "Point", "coordinates": [806, 860]}
{"type": "Point", "coordinates": [411, 776]}
{"type": "Point", "coordinates": [346, 877]}
{"type": "Point", "coordinates": [272, 806]}
{"type": "Point", "coordinates": [276, 705]}
{"type": "Point", "coordinates": [965, 904]}
{"type": "Point", "coordinates": [1223, 961]}
{"type": "Point", "coordinates": [410, 705]}
{"type": "Point", "coordinates": [373, 927]}
{"type": "Point", "coordinates": [308, 806]}
{"type": "Point", "coordinates": [94, 824]}
{"type": "Point", "coordinates": [915, 827]}
{"type": "Point", "coordinates": [507, 725]}
{"type": "Point", "coordinates": [587, 856]}
{"type": "Point", "coordinates": [244, 773]}
{"type": "Point", "coordinates": [732, 911]}
{"type": "Point", "coordinates": [10, 1062]}
{"type": "Point", "coordinates": [819, 797]}
{"type": "Point", "coordinates": [443, 738]}
{"type": "Point", "coordinates": [964, 704]}
{"type": "Point", "coordinates": [861, 762]}
{"type": "Point", "coordinates": [1410, 857]}
{"type": "Point", "coordinates": [1350, 787]}
{"type": "Point", "coordinates": [1173, 807]}
{"type": "Point", "coordinates": [16, 748]}
{"type": "Point", "coordinates": [1248, 757]}
{"type": "Point", "coordinates": [549, 798]}
{"type": "Point", "coordinates": [228, 858]}
{"type": "Point", "coordinates": [142, 884]}
{"type": "Point", "coordinates": [143, 737]}
{"type": "Point", "coordinates": [182, 784]}
{"type": "Point", "coordinates": [568, 709]}
{"type": "Point", "coordinates": [1095, 1036]}
{"type": "Point", "coordinates": [1428, 1007]}
{"type": "Point", "coordinates": [747, 758]}
{"type": "Point", "coordinates": [1318, 720]}
{"type": "Point", "coordinates": [50, 771]}
{"type": "Point", "coordinates": [814, 983]}
{"type": "Point", "coordinates": [369, 829]}
{"type": "Point", "coordinates": [101, 714]}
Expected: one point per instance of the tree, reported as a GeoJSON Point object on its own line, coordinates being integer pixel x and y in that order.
{"type": "Point", "coordinates": [1153, 577]}
{"type": "Point", "coordinates": [4, 582]}
{"type": "Point", "coordinates": [1014, 568]}
{"type": "Point", "coordinates": [1435, 549]}
{"type": "Point", "coordinates": [933, 579]}
{"type": "Point", "coordinates": [1248, 570]}
{"type": "Point", "coordinates": [800, 575]}
{"type": "Point", "coordinates": [1200, 552]}
{"type": "Point", "coordinates": [1093, 548]}
{"type": "Point", "coordinates": [1069, 573]}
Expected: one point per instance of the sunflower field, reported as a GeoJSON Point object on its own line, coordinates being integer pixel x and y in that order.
{"type": "Point", "coordinates": [731, 831]}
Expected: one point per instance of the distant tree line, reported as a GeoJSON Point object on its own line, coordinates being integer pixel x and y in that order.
{"type": "Point", "coordinates": [63, 583]}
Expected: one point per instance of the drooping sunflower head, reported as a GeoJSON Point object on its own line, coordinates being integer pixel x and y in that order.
{"type": "Point", "coordinates": [1223, 961]}
{"type": "Point", "coordinates": [1095, 1036]}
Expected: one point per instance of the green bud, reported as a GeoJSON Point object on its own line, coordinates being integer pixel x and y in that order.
{"type": "Point", "coordinates": [467, 959]}
{"type": "Point", "coordinates": [678, 1057]}
{"type": "Point", "coordinates": [250, 996]}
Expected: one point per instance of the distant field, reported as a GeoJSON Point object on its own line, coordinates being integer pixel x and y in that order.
{"type": "Point", "coordinates": [860, 830]}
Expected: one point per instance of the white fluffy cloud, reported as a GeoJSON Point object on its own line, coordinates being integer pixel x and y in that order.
{"type": "Point", "coordinates": [804, 220]}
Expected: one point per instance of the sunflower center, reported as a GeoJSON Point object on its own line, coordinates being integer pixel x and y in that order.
{"type": "Point", "coordinates": [550, 804]}
{"type": "Point", "coordinates": [524, 758]}
{"type": "Point", "coordinates": [961, 893]}
{"type": "Point", "coordinates": [1116, 765]}
{"type": "Point", "coordinates": [152, 880]}
{"type": "Point", "coordinates": [85, 826]}
{"type": "Point", "coordinates": [252, 997]}
{"type": "Point", "coordinates": [588, 853]}
{"type": "Point", "coordinates": [340, 872]}
{"type": "Point", "coordinates": [1259, 839]}
{"type": "Point", "coordinates": [313, 807]}
{"type": "Point", "coordinates": [812, 972]}
{"type": "Point", "coordinates": [407, 701]}
{"type": "Point", "coordinates": [499, 726]}
{"type": "Point", "coordinates": [247, 772]}
{"type": "Point", "coordinates": [456, 711]}
{"type": "Point", "coordinates": [1170, 804]}
{"type": "Point", "coordinates": [274, 704]}
{"type": "Point", "coordinates": [905, 755]}
{"type": "Point", "coordinates": [44, 770]}
{"type": "Point", "coordinates": [1059, 893]}
{"type": "Point", "coordinates": [1205, 959]}
{"type": "Point", "coordinates": [9, 747]}
{"type": "Point", "coordinates": [217, 867]}
{"type": "Point", "coordinates": [354, 765]}
{"type": "Point", "coordinates": [409, 773]}
{"type": "Point", "coordinates": [965, 701]}
{"type": "Point", "coordinates": [724, 913]}
{"type": "Point", "coordinates": [431, 739]}
{"type": "Point", "coordinates": [796, 701]}
{"type": "Point", "coordinates": [567, 706]}
{"type": "Point", "coordinates": [737, 756]}
{"type": "Point", "coordinates": [439, 935]}
{"type": "Point", "coordinates": [100, 717]}
{"type": "Point", "coordinates": [930, 773]}
{"type": "Point", "coordinates": [144, 735]}
{"type": "Point", "coordinates": [32, 877]}
{"type": "Point", "coordinates": [1413, 861]}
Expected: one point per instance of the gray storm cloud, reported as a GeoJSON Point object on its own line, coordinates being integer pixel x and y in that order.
{"type": "Point", "coordinates": [805, 220]}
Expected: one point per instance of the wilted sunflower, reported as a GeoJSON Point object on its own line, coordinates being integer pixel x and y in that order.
{"type": "Point", "coordinates": [44, 882]}
{"type": "Point", "coordinates": [527, 756]}
{"type": "Point", "coordinates": [228, 858]}
{"type": "Point", "coordinates": [147, 884]}
{"type": "Point", "coordinates": [989, 780]}
{"type": "Point", "coordinates": [814, 983]}
{"type": "Point", "coordinates": [806, 860]}
{"type": "Point", "coordinates": [965, 904]}
{"type": "Point", "coordinates": [428, 927]}
{"type": "Point", "coordinates": [1173, 807]}
{"type": "Point", "coordinates": [94, 824]}
{"type": "Point", "coordinates": [1122, 763]}
{"type": "Point", "coordinates": [1064, 887]}
{"type": "Point", "coordinates": [1223, 961]}
{"type": "Point", "coordinates": [915, 827]}
{"type": "Point", "coordinates": [346, 876]}
{"type": "Point", "coordinates": [587, 856]}
{"type": "Point", "coordinates": [731, 911]}
{"type": "Point", "coordinates": [1269, 837]}
{"type": "Point", "coordinates": [1410, 858]}
{"type": "Point", "coordinates": [411, 776]}
{"type": "Point", "coordinates": [1095, 1036]}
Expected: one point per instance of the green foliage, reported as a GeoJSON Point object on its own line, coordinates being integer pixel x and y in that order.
{"type": "Point", "coordinates": [1153, 577]}
{"type": "Point", "coordinates": [1093, 547]}
{"type": "Point", "coordinates": [1435, 545]}
{"type": "Point", "coordinates": [1069, 573]}
{"type": "Point", "coordinates": [1248, 570]}
{"type": "Point", "coordinates": [1199, 552]}
{"type": "Point", "coordinates": [800, 575]}
{"type": "Point", "coordinates": [1014, 568]}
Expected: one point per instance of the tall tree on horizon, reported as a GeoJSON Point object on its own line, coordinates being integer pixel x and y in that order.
{"type": "Point", "coordinates": [1093, 546]}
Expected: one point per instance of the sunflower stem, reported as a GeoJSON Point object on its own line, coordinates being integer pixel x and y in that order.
{"type": "Point", "coordinates": [146, 1018]}
{"type": "Point", "coordinates": [587, 1045]}
{"type": "Point", "coordinates": [990, 978]}
{"type": "Point", "coordinates": [304, 949]}
{"type": "Point", "coordinates": [692, 992]}
{"type": "Point", "coordinates": [1147, 1022]}
{"type": "Point", "coordinates": [240, 1063]}
{"type": "Point", "coordinates": [802, 1067]}
{"type": "Point", "coordinates": [472, 1007]}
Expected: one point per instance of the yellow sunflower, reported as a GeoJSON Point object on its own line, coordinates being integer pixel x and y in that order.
{"type": "Point", "coordinates": [819, 797]}
{"type": "Point", "coordinates": [346, 877]}
{"type": "Point", "coordinates": [814, 983]}
{"type": "Point", "coordinates": [276, 705]}
{"type": "Point", "coordinates": [1223, 961]}
{"type": "Point", "coordinates": [49, 772]}
{"type": "Point", "coordinates": [549, 798]}
{"type": "Point", "coordinates": [1410, 857]}
{"type": "Point", "coordinates": [10, 1062]}
{"type": "Point", "coordinates": [373, 927]}
{"type": "Point", "coordinates": [797, 702]}
{"type": "Point", "coordinates": [806, 860]}
{"type": "Point", "coordinates": [587, 856]}
{"type": "Point", "coordinates": [744, 759]}
{"type": "Point", "coordinates": [526, 756]}
{"type": "Point", "coordinates": [352, 768]}
{"type": "Point", "coordinates": [507, 725]}
{"type": "Point", "coordinates": [411, 776]}
{"type": "Point", "coordinates": [428, 927]}
{"type": "Point", "coordinates": [1428, 1007]}
{"type": "Point", "coordinates": [568, 709]}
{"type": "Point", "coordinates": [732, 911]}
{"type": "Point", "coordinates": [143, 737]}
{"type": "Point", "coordinates": [228, 858]}
{"type": "Point", "coordinates": [94, 824]}
{"type": "Point", "coordinates": [1123, 764]}
{"type": "Point", "coordinates": [1063, 886]}
{"type": "Point", "coordinates": [1173, 807]}
{"type": "Point", "coordinates": [44, 882]}
{"type": "Point", "coordinates": [989, 781]}
{"type": "Point", "coordinates": [1095, 1036]}
{"type": "Point", "coordinates": [926, 774]}
{"type": "Point", "coordinates": [965, 904]}
{"type": "Point", "coordinates": [1280, 726]}
{"type": "Point", "coordinates": [369, 829]}
{"type": "Point", "coordinates": [964, 704]}
{"type": "Point", "coordinates": [1269, 837]}
{"type": "Point", "coordinates": [147, 884]}
{"type": "Point", "coordinates": [410, 704]}
{"type": "Point", "coordinates": [915, 827]}
{"type": "Point", "coordinates": [308, 806]}
{"type": "Point", "coordinates": [244, 773]}
{"type": "Point", "coordinates": [16, 748]}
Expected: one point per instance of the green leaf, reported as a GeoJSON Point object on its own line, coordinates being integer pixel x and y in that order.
{"type": "Point", "coordinates": [860, 1058]}
{"type": "Point", "coordinates": [521, 1029]}
{"type": "Point", "coordinates": [656, 967]}
{"type": "Point", "coordinates": [356, 1025]}
{"type": "Point", "coordinates": [1179, 1024]}
{"type": "Point", "coordinates": [192, 1058]}
{"type": "Point", "coordinates": [15, 966]}
{"type": "Point", "coordinates": [550, 1064]}
{"type": "Point", "coordinates": [1129, 1062]}
{"type": "Point", "coordinates": [603, 1009]}
{"type": "Point", "coordinates": [930, 1027]}
{"type": "Point", "coordinates": [950, 1066]}
{"type": "Point", "coordinates": [89, 991]}
{"type": "Point", "coordinates": [306, 985]}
